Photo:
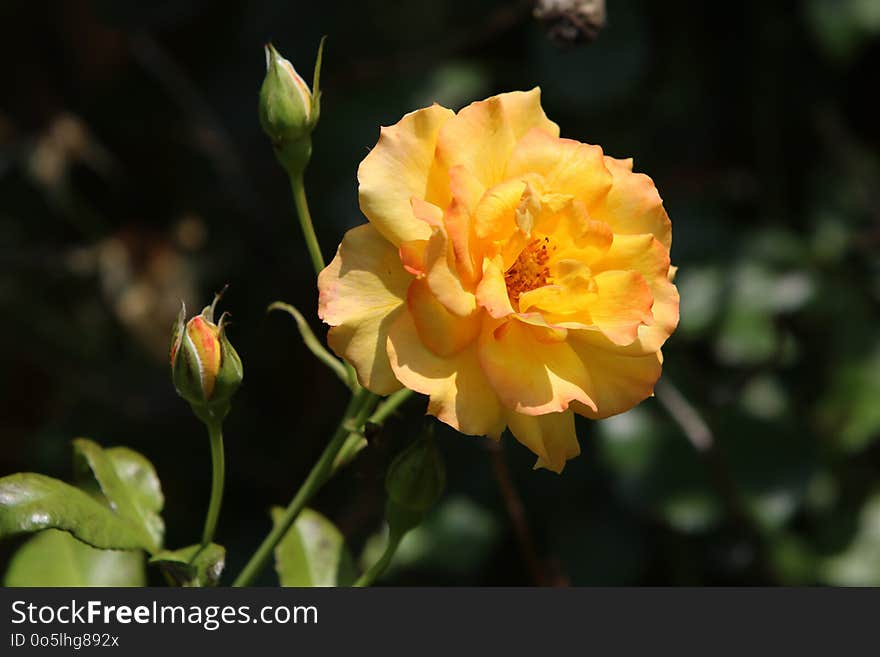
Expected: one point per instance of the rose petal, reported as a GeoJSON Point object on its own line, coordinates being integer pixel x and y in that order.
{"type": "Point", "coordinates": [633, 205]}
{"type": "Point", "coordinates": [552, 437]}
{"type": "Point", "coordinates": [459, 393]}
{"type": "Point", "coordinates": [621, 304]}
{"type": "Point", "coordinates": [442, 332]}
{"type": "Point", "coordinates": [483, 134]}
{"type": "Point", "coordinates": [359, 293]}
{"type": "Point", "coordinates": [443, 276]}
{"type": "Point", "coordinates": [619, 381]}
{"type": "Point", "coordinates": [531, 375]}
{"type": "Point", "coordinates": [492, 291]}
{"type": "Point", "coordinates": [646, 255]}
{"type": "Point", "coordinates": [567, 166]}
{"type": "Point", "coordinates": [398, 169]}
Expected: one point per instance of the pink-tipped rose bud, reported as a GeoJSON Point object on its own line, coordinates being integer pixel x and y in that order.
{"type": "Point", "coordinates": [205, 367]}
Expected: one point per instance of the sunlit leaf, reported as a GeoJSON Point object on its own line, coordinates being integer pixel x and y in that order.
{"type": "Point", "coordinates": [55, 558]}
{"type": "Point", "coordinates": [746, 337]}
{"type": "Point", "coordinates": [701, 297]}
{"type": "Point", "coordinates": [128, 482]}
{"type": "Point", "coordinates": [850, 409]}
{"type": "Point", "coordinates": [764, 398]}
{"type": "Point", "coordinates": [691, 511]}
{"type": "Point", "coordinates": [312, 552]}
{"type": "Point", "coordinates": [859, 563]}
{"type": "Point", "coordinates": [30, 502]}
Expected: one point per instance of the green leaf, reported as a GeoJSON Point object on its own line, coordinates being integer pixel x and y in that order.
{"type": "Point", "coordinates": [128, 482]}
{"type": "Point", "coordinates": [702, 292]}
{"type": "Point", "coordinates": [858, 564]}
{"type": "Point", "coordinates": [55, 558]}
{"type": "Point", "coordinates": [193, 565]}
{"type": "Point", "coordinates": [30, 502]}
{"type": "Point", "coordinates": [849, 409]}
{"type": "Point", "coordinates": [312, 552]}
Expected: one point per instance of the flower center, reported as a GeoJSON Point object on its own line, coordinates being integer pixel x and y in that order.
{"type": "Point", "coordinates": [530, 270]}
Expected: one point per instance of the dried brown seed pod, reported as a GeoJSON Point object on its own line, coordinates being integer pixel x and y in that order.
{"type": "Point", "coordinates": [570, 22]}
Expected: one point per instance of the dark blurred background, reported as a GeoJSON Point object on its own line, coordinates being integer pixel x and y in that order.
{"type": "Point", "coordinates": [133, 174]}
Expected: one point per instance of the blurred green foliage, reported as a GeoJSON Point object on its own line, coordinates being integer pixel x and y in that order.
{"type": "Point", "coordinates": [133, 174]}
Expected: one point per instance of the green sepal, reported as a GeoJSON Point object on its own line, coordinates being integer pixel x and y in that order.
{"type": "Point", "coordinates": [192, 566]}
{"type": "Point", "coordinates": [231, 372]}
{"type": "Point", "coordinates": [316, 85]}
{"type": "Point", "coordinates": [294, 156]}
{"type": "Point", "coordinates": [401, 519]}
{"type": "Point", "coordinates": [186, 371]}
{"type": "Point", "coordinates": [177, 331]}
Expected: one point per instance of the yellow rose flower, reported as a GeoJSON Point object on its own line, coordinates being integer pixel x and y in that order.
{"type": "Point", "coordinates": [514, 277]}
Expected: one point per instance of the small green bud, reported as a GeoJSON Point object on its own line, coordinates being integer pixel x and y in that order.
{"type": "Point", "coordinates": [205, 367]}
{"type": "Point", "coordinates": [414, 483]}
{"type": "Point", "coordinates": [285, 100]}
{"type": "Point", "coordinates": [289, 110]}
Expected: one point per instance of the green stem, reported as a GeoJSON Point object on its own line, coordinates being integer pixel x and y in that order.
{"type": "Point", "coordinates": [305, 221]}
{"type": "Point", "coordinates": [355, 441]}
{"type": "Point", "coordinates": [215, 433]}
{"type": "Point", "coordinates": [355, 414]}
{"type": "Point", "coordinates": [382, 564]}
{"type": "Point", "coordinates": [314, 345]}
{"type": "Point", "coordinates": [297, 186]}
{"type": "Point", "coordinates": [390, 405]}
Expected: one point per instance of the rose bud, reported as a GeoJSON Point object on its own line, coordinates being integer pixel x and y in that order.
{"type": "Point", "coordinates": [205, 368]}
{"type": "Point", "coordinates": [414, 483]}
{"type": "Point", "coordinates": [289, 110]}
